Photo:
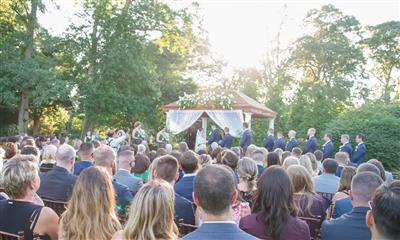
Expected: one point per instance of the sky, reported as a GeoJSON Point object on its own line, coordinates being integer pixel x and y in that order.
{"type": "Point", "coordinates": [240, 31]}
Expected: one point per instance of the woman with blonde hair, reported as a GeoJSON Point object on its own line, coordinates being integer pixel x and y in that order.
{"type": "Point", "coordinates": [248, 172]}
{"type": "Point", "coordinates": [48, 158]}
{"type": "Point", "coordinates": [151, 215]}
{"type": "Point", "coordinates": [90, 212]}
{"type": "Point", "coordinates": [305, 161]}
{"type": "Point", "coordinates": [279, 151]}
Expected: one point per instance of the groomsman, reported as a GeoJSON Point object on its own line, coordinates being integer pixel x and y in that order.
{"type": "Point", "coordinates": [269, 140]}
{"type": "Point", "coordinates": [346, 147]}
{"type": "Point", "coordinates": [280, 141]}
{"type": "Point", "coordinates": [292, 141]}
{"type": "Point", "coordinates": [327, 148]}
{"type": "Point", "coordinates": [311, 143]}
{"type": "Point", "coordinates": [226, 141]}
{"type": "Point", "coordinates": [245, 140]}
{"type": "Point", "coordinates": [360, 151]}
{"type": "Point", "coordinates": [215, 135]}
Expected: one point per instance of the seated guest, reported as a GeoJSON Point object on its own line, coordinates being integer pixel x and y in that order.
{"type": "Point", "coordinates": [104, 156]}
{"type": "Point", "coordinates": [57, 183]}
{"type": "Point", "coordinates": [90, 214]}
{"type": "Point", "coordinates": [230, 159]}
{"type": "Point", "coordinates": [342, 159]}
{"type": "Point", "coordinates": [214, 193]}
{"type": "Point", "coordinates": [347, 175]}
{"type": "Point", "coordinates": [189, 163]}
{"type": "Point", "coordinates": [319, 155]}
{"type": "Point", "coordinates": [289, 161]}
{"type": "Point", "coordinates": [247, 171]}
{"type": "Point", "coordinates": [205, 159]}
{"type": "Point", "coordinates": [48, 158]}
{"type": "Point", "coordinates": [285, 155]}
{"type": "Point", "coordinates": [20, 180]}
{"type": "Point", "coordinates": [380, 166]}
{"type": "Point", "coordinates": [296, 152]}
{"type": "Point", "coordinates": [151, 214]}
{"type": "Point", "coordinates": [260, 160]}
{"type": "Point", "coordinates": [327, 182]}
{"type": "Point", "coordinates": [85, 151]}
{"type": "Point", "coordinates": [368, 167]}
{"type": "Point", "coordinates": [383, 218]}
{"type": "Point", "coordinates": [305, 161]}
{"type": "Point", "coordinates": [183, 147]}
{"type": "Point", "coordinates": [126, 160]}
{"type": "Point", "coordinates": [272, 159]}
{"type": "Point", "coordinates": [314, 164]}
{"type": "Point", "coordinates": [31, 150]}
{"type": "Point", "coordinates": [352, 225]}
{"type": "Point", "coordinates": [274, 210]}
{"type": "Point", "coordinates": [141, 167]}
{"type": "Point", "coordinates": [166, 168]}
{"type": "Point", "coordinates": [10, 150]}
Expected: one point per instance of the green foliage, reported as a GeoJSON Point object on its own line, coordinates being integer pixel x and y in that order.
{"type": "Point", "coordinates": [381, 126]}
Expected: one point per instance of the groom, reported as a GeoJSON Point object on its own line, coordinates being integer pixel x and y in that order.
{"type": "Point", "coordinates": [215, 135]}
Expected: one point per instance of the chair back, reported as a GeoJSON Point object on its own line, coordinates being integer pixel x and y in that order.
{"type": "Point", "coordinates": [314, 224]}
{"type": "Point", "coordinates": [327, 196]}
{"type": "Point", "coordinates": [57, 206]}
{"type": "Point", "coordinates": [10, 236]}
{"type": "Point", "coordinates": [185, 228]}
{"type": "Point", "coordinates": [45, 169]}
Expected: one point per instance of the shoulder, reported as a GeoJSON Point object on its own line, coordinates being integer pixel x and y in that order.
{"type": "Point", "coordinates": [47, 215]}
{"type": "Point", "coordinates": [248, 221]}
{"type": "Point", "coordinates": [118, 235]}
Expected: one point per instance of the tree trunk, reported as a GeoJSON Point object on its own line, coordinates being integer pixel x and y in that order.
{"type": "Point", "coordinates": [87, 126]}
{"type": "Point", "coordinates": [36, 122]}
{"type": "Point", "coordinates": [23, 116]}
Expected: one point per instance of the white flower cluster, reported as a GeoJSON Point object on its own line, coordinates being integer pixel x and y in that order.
{"type": "Point", "coordinates": [211, 99]}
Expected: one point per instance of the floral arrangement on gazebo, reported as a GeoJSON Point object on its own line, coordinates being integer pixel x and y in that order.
{"type": "Point", "coordinates": [210, 99]}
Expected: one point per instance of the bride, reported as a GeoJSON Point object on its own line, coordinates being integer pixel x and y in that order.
{"type": "Point", "coordinates": [200, 140]}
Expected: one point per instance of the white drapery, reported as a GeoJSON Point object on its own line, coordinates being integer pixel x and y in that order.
{"type": "Point", "coordinates": [178, 121]}
{"type": "Point", "coordinates": [232, 119]}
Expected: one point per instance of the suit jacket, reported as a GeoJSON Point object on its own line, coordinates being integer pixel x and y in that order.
{"type": "Point", "coordinates": [123, 196]}
{"type": "Point", "coordinates": [280, 143]}
{"type": "Point", "coordinates": [291, 144]}
{"type": "Point", "coordinates": [341, 207]}
{"type": "Point", "coordinates": [245, 140]}
{"type": "Point", "coordinates": [56, 184]}
{"type": "Point", "coordinates": [226, 142]}
{"type": "Point", "coordinates": [327, 150]}
{"type": "Point", "coordinates": [124, 177]}
{"type": "Point", "coordinates": [185, 187]}
{"type": "Point", "coordinates": [327, 183]}
{"type": "Point", "coordinates": [183, 210]}
{"type": "Point", "coordinates": [311, 145]}
{"type": "Point", "coordinates": [80, 166]}
{"type": "Point", "coordinates": [349, 226]}
{"type": "Point", "coordinates": [216, 231]}
{"type": "Point", "coordinates": [359, 154]}
{"type": "Point", "coordinates": [215, 136]}
{"type": "Point", "coordinates": [260, 169]}
{"type": "Point", "coordinates": [269, 142]}
{"type": "Point", "coordinates": [346, 148]}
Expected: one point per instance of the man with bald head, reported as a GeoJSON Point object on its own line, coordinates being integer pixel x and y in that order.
{"type": "Point", "coordinates": [57, 184]}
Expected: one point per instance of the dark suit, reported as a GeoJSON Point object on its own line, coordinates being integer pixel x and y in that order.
{"type": "Point", "coordinates": [341, 207]}
{"type": "Point", "coordinates": [226, 142]}
{"type": "Point", "coordinates": [183, 210]}
{"type": "Point", "coordinates": [245, 140]}
{"type": "Point", "coordinates": [349, 226]}
{"type": "Point", "coordinates": [346, 148]}
{"type": "Point", "coordinates": [56, 184]}
{"type": "Point", "coordinates": [124, 197]}
{"type": "Point", "coordinates": [185, 187]}
{"type": "Point", "coordinates": [280, 143]}
{"type": "Point", "coordinates": [215, 136]}
{"type": "Point", "coordinates": [80, 166]}
{"type": "Point", "coordinates": [292, 143]}
{"type": "Point", "coordinates": [269, 142]}
{"type": "Point", "coordinates": [260, 169]}
{"type": "Point", "coordinates": [327, 149]}
{"type": "Point", "coordinates": [311, 145]}
{"type": "Point", "coordinates": [124, 177]}
{"type": "Point", "coordinates": [359, 154]}
{"type": "Point", "coordinates": [216, 231]}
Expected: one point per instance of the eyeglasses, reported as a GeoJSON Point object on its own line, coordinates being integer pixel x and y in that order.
{"type": "Point", "coordinates": [370, 204]}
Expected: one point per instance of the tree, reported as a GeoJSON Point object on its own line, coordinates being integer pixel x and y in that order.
{"type": "Point", "coordinates": [384, 49]}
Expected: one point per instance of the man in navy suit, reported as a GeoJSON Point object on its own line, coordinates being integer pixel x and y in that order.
{"type": "Point", "coordinates": [311, 143]}
{"type": "Point", "coordinates": [226, 141]}
{"type": "Point", "coordinates": [269, 140]}
{"type": "Point", "coordinates": [189, 163]}
{"type": "Point", "coordinates": [353, 225]}
{"type": "Point", "coordinates": [358, 156]}
{"type": "Point", "coordinates": [245, 140]}
{"type": "Point", "coordinates": [215, 135]}
{"type": "Point", "coordinates": [215, 193]}
{"type": "Point", "coordinates": [328, 147]}
{"type": "Point", "coordinates": [292, 143]}
{"type": "Point", "coordinates": [280, 141]}
{"type": "Point", "coordinates": [346, 146]}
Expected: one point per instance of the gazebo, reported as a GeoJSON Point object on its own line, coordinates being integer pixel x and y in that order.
{"type": "Point", "coordinates": [242, 108]}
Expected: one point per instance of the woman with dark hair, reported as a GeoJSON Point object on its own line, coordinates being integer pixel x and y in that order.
{"type": "Point", "coordinates": [273, 159]}
{"type": "Point", "coordinates": [141, 168]}
{"type": "Point", "coordinates": [274, 210]}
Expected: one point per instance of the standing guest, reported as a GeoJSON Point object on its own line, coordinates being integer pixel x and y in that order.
{"type": "Point", "coordinates": [245, 140]}
{"type": "Point", "coordinates": [272, 159]}
{"type": "Point", "coordinates": [352, 225]}
{"type": "Point", "coordinates": [10, 150]}
{"type": "Point", "coordinates": [138, 134]}
{"type": "Point", "coordinates": [358, 156]}
{"type": "Point", "coordinates": [269, 140]}
{"type": "Point", "coordinates": [292, 141]}
{"type": "Point", "coordinates": [328, 147]}
{"type": "Point", "coordinates": [260, 160]}
{"type": "Point", "coordinates": [274, 210]}
{"type": "Point", "coordinates": [189, 163]}
{"type": "Point", "coordinates": [154, 203]}
{"type": "Point", "coordinates": [346, 146]}
{"type": "Point", "coordinates": [305, 161]}
{"type": "Point", "coordinates": [226, 141]}
{"type": "Point", "coordinates": [383, 218]}
{"type": "Point", "coordinates": [311, 143]}
{"type": "Point", "coordinates": [116, 139]}
{"type": "Point", "coordinates": [214, 193]}
{"type": "Point", "coordinates": [126, 160]}
{"type": "Point", "coordinates": [200, 139]}
{"type": "Point", "coordinates": [341, 207]}
{"type": "Point", "coordinates": [327, 182]}
{"type": "Point", "coordinates": [280, 142]}
{"type": "Point", "coordinates": [90, 214]}
{"type": "Point", "coordinates": [248, 172]}
{"type": "Point", "coordinates": [85, 151]}
{"type": "Point", "coordinates": [89, 137]}
{"type": "Point", "coordinates": [215, 136]}
{"type": "Point", "coordinates": [20, 180]}
{"type": "Point", "coordinates": [342, 159]}
{"type": "Point", "coordinates": [48, 158]}
{"type": "Point", "coordinates": [57, 184]}
{"type": "Point", "coordinates": [141, 167]}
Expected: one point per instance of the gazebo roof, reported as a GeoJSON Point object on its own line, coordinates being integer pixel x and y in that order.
{"type": "Point", "coordinates": [241, 102]}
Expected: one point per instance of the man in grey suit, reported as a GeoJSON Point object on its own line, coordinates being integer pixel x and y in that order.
{"type": "Point", "coordinates": [214, 193]}
{"type": "Point", "coordinates": [126, 160]}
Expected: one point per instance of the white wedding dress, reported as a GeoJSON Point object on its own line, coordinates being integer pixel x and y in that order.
{"type": "Point", "coordinates": [200, 141]}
